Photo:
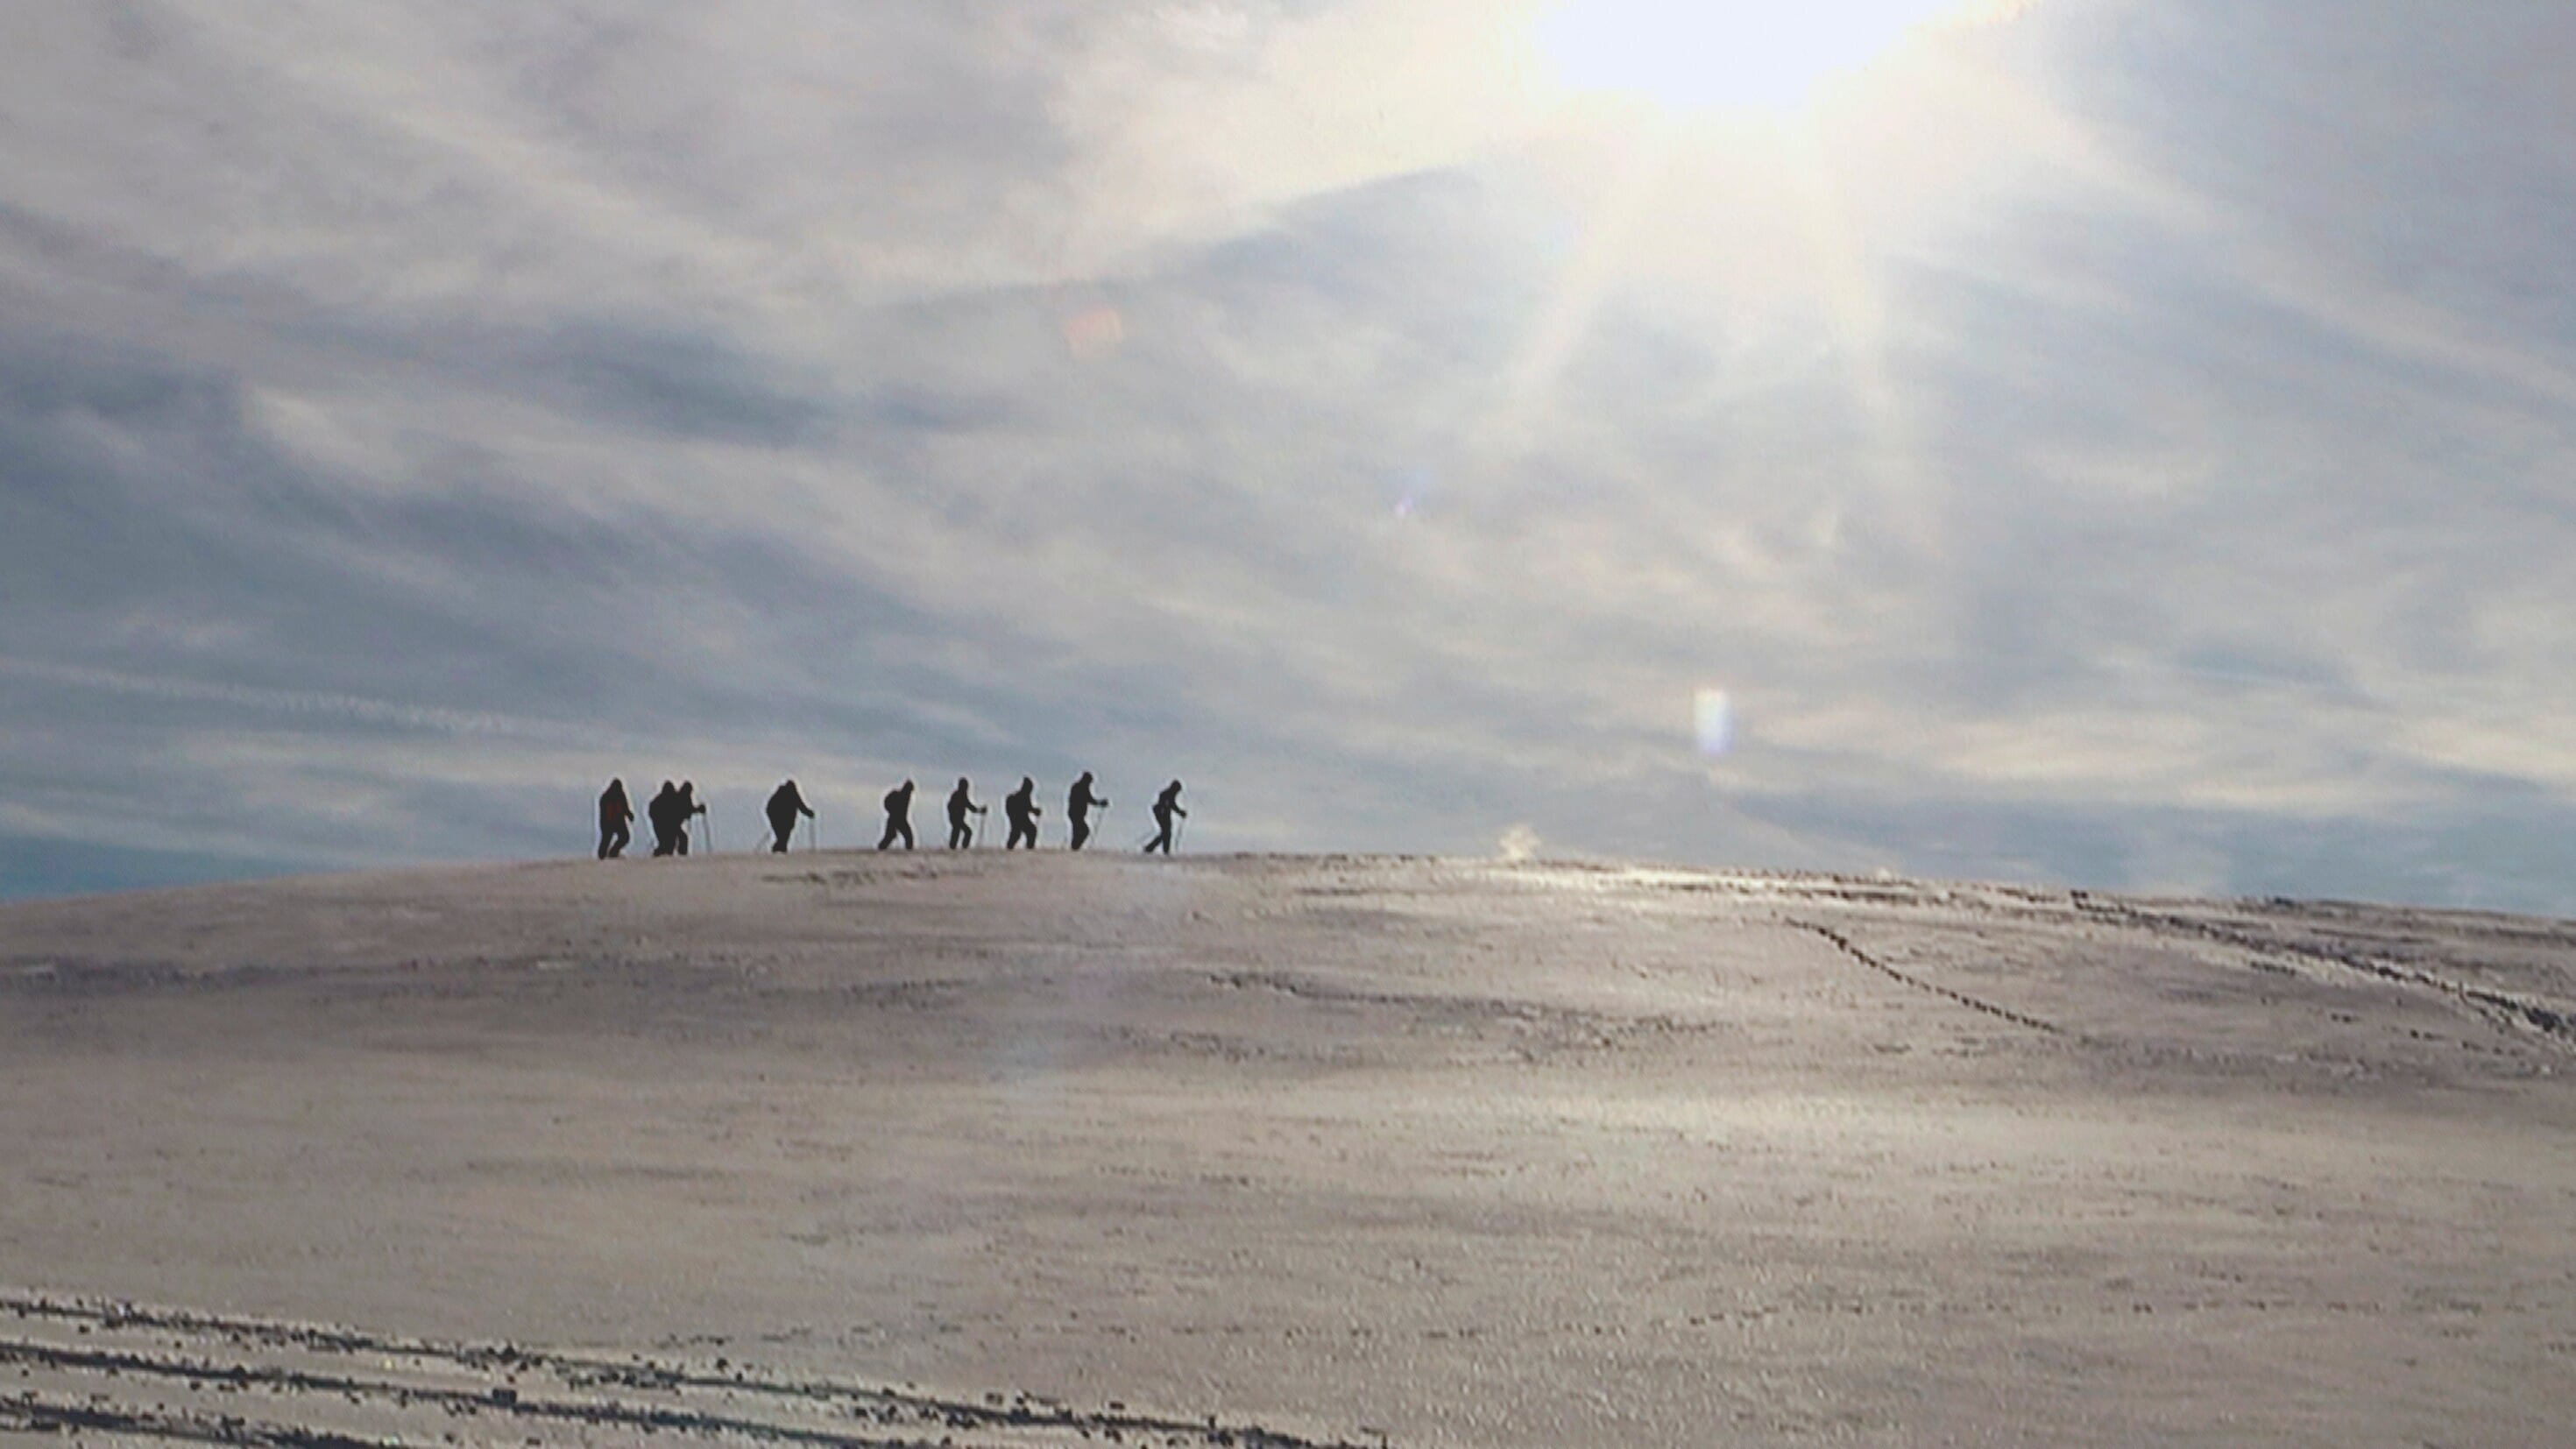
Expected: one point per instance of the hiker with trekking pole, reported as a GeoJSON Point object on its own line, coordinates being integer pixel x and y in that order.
{"type": "Point", "coordinates": [785, 804]}
{"type": "Point", "coordinates": [616, 821]}
{"type": "Point", "coordinates": [1021, 806]}
{"type": "Point", "coordinates": [686, 804]}
{"type": "Point", "coordinates": [1077, 808]}
{"type": "Point", "coordinates": [661, 813]}
{"type": "Point", "coordinates": [1166, 806]}
{"type": "Point", "coordinates": [898, 808]}
{"type": "Point", "coordinates": [961, 803]}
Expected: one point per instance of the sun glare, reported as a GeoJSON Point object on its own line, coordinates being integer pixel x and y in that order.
{"type": "Point", "coordinates": [1701, 55]}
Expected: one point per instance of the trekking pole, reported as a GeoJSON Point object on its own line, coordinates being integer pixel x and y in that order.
{"type": "Point", "coordinates": [1180, 831]}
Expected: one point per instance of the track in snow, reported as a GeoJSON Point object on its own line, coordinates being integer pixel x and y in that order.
{"type": "Point", "coordinates": [85, 1368]}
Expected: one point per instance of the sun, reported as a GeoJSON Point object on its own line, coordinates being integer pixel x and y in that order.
{"type": "Point", "coordinates": [1711, 55]}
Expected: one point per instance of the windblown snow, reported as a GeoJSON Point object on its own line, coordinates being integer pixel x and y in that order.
{"type": "Point", "coordinates": [848, 1149]}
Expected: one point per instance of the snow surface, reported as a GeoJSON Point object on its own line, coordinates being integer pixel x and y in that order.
{"type": "Point", "coordinates": [860, 1149]}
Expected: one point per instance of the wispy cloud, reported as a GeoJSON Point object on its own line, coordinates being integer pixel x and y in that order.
{"type": "Point", "coordinates": [305, 704]}
{"type": "Point", "coordinates": [2098, 444]}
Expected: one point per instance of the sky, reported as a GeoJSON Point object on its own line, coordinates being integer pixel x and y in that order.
{"type": "Point", "coordinates": [2112, 443]}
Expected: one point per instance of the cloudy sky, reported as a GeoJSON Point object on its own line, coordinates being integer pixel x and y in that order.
{"type": "Point", "coordinates": [2114, 442]}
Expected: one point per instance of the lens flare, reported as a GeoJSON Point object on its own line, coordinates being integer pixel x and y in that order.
{"type": "Point", "coordinates": [1095, 332]}
{"type": "Point", "coordinates": [1713, 722]}
{"type": "Point", "coordinates": [1412, 488]}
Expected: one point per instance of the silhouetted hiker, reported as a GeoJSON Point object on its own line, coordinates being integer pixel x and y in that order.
{"type": "Point", "coordinates": [1166, 805]}
{"type": "Point", "coordinates": [662, 812]}
{"type": "Point", "coordinates": [684, 805]}
{"type": "Point", "coordinates": [785, 804]}
{"type": "Point", "coordinates": [616, 819]}
{"type": "Point", "coordinates": [1022, 807]}
{"type": "Point", "coordinates": [960, 805]}
{"type": "Point", "coordinates": [898, 803]}
{"type": "Point", "coordinates": [1077, 808]}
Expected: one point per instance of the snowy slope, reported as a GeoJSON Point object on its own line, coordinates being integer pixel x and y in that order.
{"type": "Point", "coordinates": [1348, 1149]}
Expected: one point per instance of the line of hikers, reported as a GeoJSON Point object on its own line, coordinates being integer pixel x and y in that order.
{"type": "Point", "coordinates": [672, 808]}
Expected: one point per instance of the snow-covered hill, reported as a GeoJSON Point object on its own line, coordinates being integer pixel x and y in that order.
{"type": "Point", "coordinates": [848, 1148]}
